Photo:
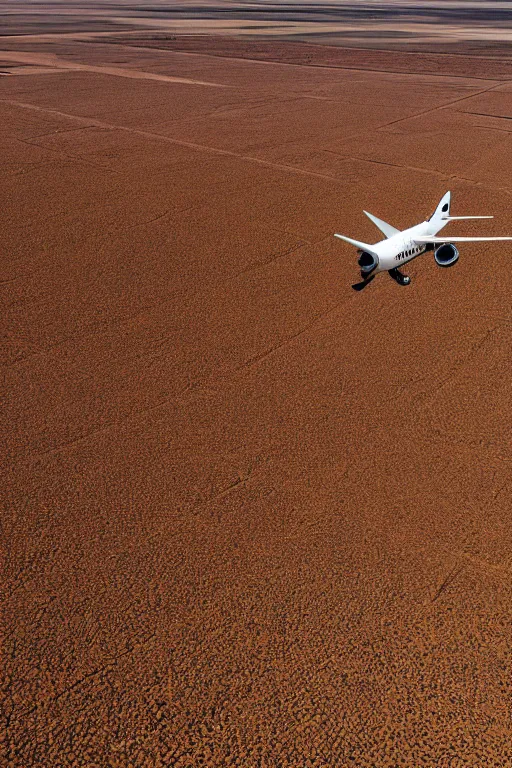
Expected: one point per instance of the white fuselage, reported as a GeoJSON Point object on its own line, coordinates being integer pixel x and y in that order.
{"type": "Point", "coordinates": [401, 248]}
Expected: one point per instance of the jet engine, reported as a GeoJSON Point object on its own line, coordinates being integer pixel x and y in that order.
{"type": "Point", "coordinates": [367, 262]}
{"type": "Point", "coordinates": [446, 255]}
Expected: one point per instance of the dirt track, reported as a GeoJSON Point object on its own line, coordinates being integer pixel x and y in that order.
{"type": "Point", "coordinates": [252, 517]}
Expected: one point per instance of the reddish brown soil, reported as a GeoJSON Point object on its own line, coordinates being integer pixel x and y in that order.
{"type": "Point", "coordinates": [498, 63]}
{"type": "Point", "coordinates": [252, 517]}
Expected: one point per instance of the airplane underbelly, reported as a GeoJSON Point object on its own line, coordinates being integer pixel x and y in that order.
{"type": "Point", "coordinates": [389, 262]}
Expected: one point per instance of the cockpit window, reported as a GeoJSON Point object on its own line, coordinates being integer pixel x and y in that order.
{"type": "Point", "coordinates": [445, 207]}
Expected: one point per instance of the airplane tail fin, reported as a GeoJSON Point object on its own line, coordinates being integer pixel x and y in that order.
{"type": "Point", "coordinates": [443, 209]}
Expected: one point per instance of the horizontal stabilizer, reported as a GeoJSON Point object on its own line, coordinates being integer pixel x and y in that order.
{"type": "Point", "coordinates": [384, 227]}
{"type": "Point", "coordinates": [436, 240]}
{"type": "Point", "coordinates": [464, 218]}
{"type": "Point", "coordinates": [359, 244]}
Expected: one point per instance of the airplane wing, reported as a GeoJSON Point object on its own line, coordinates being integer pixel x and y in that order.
{"type": "Point", "coordinates": [435, 240]}
{"type": "Point", "coordinates": [384, 227]}
{"type": "Point", "coordinates": [358, 244]}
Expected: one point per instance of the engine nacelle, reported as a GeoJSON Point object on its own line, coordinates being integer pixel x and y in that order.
{"type": "Point", "coordinates": [446, 255]}
{"type": "Point", "coordinates": [367, 261]}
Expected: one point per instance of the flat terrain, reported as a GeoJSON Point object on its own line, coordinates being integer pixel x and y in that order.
{"type": "Point", "coordinates": [461, 26]}
{"type": "Point", "coordinates": [251, 517]}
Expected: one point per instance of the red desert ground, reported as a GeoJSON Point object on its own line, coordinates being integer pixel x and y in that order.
{"type": "Point", "coordinates": [251, 517]}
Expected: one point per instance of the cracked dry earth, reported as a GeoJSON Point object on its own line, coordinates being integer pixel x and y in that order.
{"type": "Point", "coordinates": [251, 517]}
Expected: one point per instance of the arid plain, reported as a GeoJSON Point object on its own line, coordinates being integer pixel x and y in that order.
{"type": "Point", "coordinates": [251, 517]}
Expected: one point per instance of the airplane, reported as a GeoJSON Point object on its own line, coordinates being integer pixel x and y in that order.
{"type": "Point", "coordinates": [398, 248]}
